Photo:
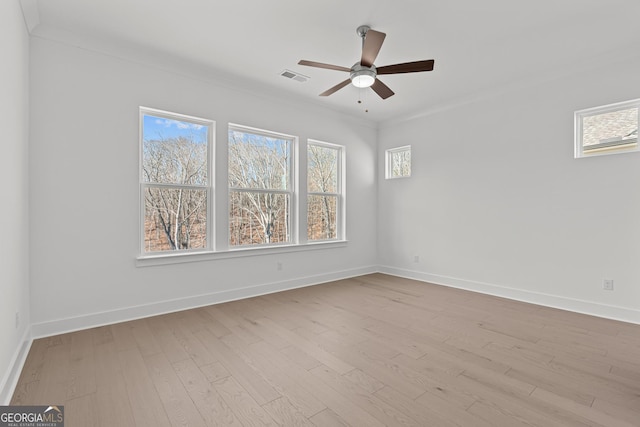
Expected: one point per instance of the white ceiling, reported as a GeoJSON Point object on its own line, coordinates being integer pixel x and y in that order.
{"type": "Point", "coordinates": [478, 46]}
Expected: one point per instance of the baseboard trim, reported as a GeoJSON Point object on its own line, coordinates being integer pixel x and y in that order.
{"type": "Point", "coordinates": [60, 326]}
{"type": "Point", "coordinates": [554, 301]}
{"type": "Point", "coordinates": [10, 380]}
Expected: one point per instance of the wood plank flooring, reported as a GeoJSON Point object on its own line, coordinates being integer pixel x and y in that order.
{"type": "Point", "coordinates": [371, 351]}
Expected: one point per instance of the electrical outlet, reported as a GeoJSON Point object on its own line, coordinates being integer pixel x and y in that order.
{"type": "Point", "coordinates": [279, 266]}
{"type": "Point", "coordinates": [416, 258]}
{"type": "Point", "coordinates": [17, 319]}
{"type": "Point", "coordinates": [607, 284]}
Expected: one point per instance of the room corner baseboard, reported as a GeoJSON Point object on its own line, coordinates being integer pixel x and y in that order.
{"type": "Point", "coordinates": [554, 301]}
{"type": "Point", "coordinates": [11, 377]}
{"type": "Point", "coordinates": [60, 326]}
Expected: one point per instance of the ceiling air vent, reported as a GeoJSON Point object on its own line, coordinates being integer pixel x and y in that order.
{"type": "Point", "coordinates": [294, 76]}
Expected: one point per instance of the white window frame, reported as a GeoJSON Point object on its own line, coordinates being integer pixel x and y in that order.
{"type": "Point", "coordinates": [218, 242]}
{"type": "Point", "coordinates": [209, 188]}
{"type": "Point", "coordinates": [290, 191]}
{"type": "Point", "coordinates": [340, 186]}
{"type": "Point", "coordinates": [609, 147]}
{"type": "Point", "coordinates": [389, 162]}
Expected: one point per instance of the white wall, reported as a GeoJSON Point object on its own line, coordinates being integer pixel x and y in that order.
{"type": "Point", "coordinates": [14, 213]}
{"type": "Point", "coordinates": [498, 204]}
{"type": "Point", "coordinates": [84, 190]}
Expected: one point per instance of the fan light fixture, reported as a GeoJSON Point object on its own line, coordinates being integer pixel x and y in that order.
{"type": "Point", "coordinates": [362, 76]}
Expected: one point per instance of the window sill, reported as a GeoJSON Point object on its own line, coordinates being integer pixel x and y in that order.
{"type": "Point", "coordinates": [182, 257]}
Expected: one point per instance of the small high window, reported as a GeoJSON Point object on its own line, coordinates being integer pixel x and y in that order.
{"type": "Point", "coordinates": [607, 130]}
{"type": "Point", "coordinates": [398, 162]}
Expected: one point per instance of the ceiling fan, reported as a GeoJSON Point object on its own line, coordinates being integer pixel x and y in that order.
{"type": "Point", "coordinates": [364, 73]}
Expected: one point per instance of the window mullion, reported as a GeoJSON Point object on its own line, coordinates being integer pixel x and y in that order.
{"type": "Point", "coordinates": [259, 190]}
{"type": "Point", "coordinates": [176, 186]}
{"type": "Point", "coordinates": [320, 193]}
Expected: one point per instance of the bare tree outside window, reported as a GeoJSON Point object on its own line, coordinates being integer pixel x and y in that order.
{"type": "Point", "coordinates": [259, 187]}
{"type": "Point", "coordinates": [174, 183]}
{"type": "Point", "coordinates": [323, 191]}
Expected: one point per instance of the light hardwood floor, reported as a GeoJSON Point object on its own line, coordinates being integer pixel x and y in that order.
{"type": "Point", "coordinates": [370, 351]}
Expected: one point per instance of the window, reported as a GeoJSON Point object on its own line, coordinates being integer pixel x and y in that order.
{"type": "Point", "coordinates": [398, 162]}
{"type": "Point", "coordinates": [607, 130]}
{"type": "Point", "coordinates": [175, 182]}
{"type": "Point", "coordinates": [324, 197]}
{"type": "Point", "coordinates": [260, 187]}
{"type": "Point", "coordinates": [265, 201]}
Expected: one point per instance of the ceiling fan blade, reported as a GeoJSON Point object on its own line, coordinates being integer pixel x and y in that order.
{"type": "Point", "coordinates": [372, 44]}
{"type": "Point", "coordinates": [407, 67]}
{"type": "Point", "coordinates": [321, 65]}
{"type": "Point", "coordinates": [381, 89]}
{"type": "Point", "coordinates": [336, 88]}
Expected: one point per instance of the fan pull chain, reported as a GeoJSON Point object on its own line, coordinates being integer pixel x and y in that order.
{"type": "Point", "coordinates": [360, 90]}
